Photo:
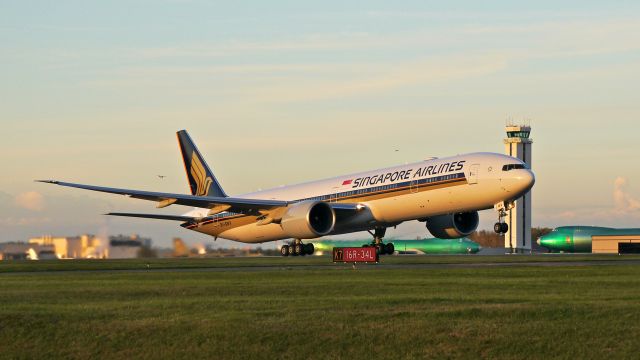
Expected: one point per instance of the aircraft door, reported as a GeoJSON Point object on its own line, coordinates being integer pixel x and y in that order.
{"type": "Point", "coordinates": [473, 174]}
{"type": "Point", "coordinates": [334, 195]}
{"type": "Point", "coordinates": [414, 186]}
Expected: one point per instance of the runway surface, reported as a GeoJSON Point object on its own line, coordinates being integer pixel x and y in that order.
{"type": "Point", "coordinates": [341, 266]}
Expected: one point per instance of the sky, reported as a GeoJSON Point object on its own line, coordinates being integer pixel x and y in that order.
{"type": "Point", "coordinates": [280, 92]}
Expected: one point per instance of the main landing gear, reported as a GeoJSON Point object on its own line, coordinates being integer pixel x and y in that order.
{"type": "Point", "coordinates": [501, 227]}
{"type": "Point", "coordinates": [297, 248]}
{"type": "Point", "coordinates": [382, 248]}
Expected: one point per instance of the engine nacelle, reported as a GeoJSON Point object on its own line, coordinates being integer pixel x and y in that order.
{"type": "Point", "coordinates": [453, 226]}
{"type": "Point", "coordinates": [308, 220]}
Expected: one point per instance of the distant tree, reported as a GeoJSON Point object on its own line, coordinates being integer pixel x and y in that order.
{"type": "Point", "coordinates": [489, 239]}
{"type": "Point", "coordinates": [538, 232]}
{"type": "Point", "coordinates": [270, 252]}
{"type": "Point", "coordinates": [266, 252]}
{"type": "Point", "coordinates": [147, 252]}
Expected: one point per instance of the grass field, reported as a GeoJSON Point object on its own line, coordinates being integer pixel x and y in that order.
{"type": "Point", "coordinates": [582, 312]}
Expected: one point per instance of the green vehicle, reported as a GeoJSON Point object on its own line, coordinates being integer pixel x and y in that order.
{"type": "Point", "coordinates": [577, 239]}
{"type": "Point", "coordinates": [422, 246]}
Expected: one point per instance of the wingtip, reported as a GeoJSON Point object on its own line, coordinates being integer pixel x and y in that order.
{"type": "Point", "coordinates": [47, 181]}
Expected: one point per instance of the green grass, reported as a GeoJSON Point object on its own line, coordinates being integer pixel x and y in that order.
{"type": "Point", "coordinates": [586, 312]}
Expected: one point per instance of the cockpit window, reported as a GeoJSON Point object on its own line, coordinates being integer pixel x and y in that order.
{"type": "Point", "coordinates": [509, 167]}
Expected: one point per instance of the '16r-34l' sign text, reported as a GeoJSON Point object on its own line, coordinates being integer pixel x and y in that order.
{"type": "Point", "coordinates": [355, 254]}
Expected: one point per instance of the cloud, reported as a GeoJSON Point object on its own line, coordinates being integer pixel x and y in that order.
{"type": "Point", "coordinates": [623, 201]}
{"type": "Point", "coordinates": [558, 35]}
{"type": "Point", "coordinates": [304, 43]}
{"type": "Point", "coordinates": [568, 215]}
{"type": "Point", "coordinates": [384, 78]}
{"type": "Point", "coordinates": [450, 58]}
{"type": "Point", "coordinates": [24, 221]}
{"type": "Point", "coordinates": [624, 211]}
{"type": "Point", "coordinates": [30, 200]}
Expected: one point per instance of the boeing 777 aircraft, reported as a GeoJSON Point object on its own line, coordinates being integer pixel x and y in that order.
{"type": "Point", "coordinates": [445, 193]}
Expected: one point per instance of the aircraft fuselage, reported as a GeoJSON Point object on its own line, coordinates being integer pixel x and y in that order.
{"type": "Point", "coordinates": [393, 195]}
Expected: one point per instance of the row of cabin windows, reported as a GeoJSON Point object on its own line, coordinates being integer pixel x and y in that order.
{"type": "Point", "coordinates": [440, 178]}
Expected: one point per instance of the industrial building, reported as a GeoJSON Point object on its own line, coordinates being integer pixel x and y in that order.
{"type": "Point", "coordinates": [127, 247]}
{"type": "Point", "coordinates": [26, 251]}
{"type": "Point", "coordinates": [615, 244]}
{"type": "Point", "coordinates": [75, 247]}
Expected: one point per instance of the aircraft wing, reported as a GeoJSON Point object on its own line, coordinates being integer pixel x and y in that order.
{"type": "Point", "coordinates": [165, 199]}
{"type": "Point", "coordinates": [157, 216]}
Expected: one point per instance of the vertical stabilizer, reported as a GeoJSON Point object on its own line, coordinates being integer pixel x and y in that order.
{"type": "Point", "coordinates": [201, 179]}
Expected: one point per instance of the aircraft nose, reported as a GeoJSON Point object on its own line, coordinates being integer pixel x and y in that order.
{"type": "Point", "coordinates": [529, 179]}
{"type": "Point", "coordinates": [544, 241]}
{"type": "Point", "coordinates": [525, 180]}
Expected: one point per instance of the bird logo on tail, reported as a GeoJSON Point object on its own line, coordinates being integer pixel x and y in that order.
{"type": "Point", "coordinates": [199, 174]}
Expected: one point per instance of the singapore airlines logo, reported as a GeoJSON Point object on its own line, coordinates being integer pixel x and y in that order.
{"type": "Point", "coordinates": [203, 182]}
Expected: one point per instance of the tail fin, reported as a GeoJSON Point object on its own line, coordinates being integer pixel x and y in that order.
{"type": "Point", "coordinates": [201, 179]}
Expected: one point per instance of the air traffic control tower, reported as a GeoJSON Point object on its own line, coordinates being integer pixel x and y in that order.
{"type": "Point", "coordinates": [518, 238]}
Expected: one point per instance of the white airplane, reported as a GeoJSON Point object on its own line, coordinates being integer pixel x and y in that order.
{"type": "Point", "coordinates": [445, 193]}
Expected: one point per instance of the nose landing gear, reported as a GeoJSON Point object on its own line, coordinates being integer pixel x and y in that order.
{"type": "Point", "coordinates": [501, 227]}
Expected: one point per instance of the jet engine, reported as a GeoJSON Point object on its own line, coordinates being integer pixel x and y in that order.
{"type": "Point", "coordinates": [308, 220]}
{"type": "Point", "coordinates": [453, 226]}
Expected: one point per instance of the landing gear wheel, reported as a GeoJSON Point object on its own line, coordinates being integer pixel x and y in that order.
{"type": "Point", "coordinates": [389, 249]}
{"type": "Point", "coordinates": [291, 250]}
{"type": "Point", "coordinates": [309, 249]}
{"type": "Point", "coordinates": [297, 249]}
{"type": "Point", "coordinates": [381, 247]}
{"type": "Point", "coordinates": [501, 228]}
{"type": "Point", "coordinates": [284, 250]}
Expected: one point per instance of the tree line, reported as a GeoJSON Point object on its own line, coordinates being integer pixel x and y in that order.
{"type": "Point", "coordinates": [489, 239]}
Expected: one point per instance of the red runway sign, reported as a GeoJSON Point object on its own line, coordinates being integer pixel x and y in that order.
{"type": "Point", "coordinates": [355, 254]}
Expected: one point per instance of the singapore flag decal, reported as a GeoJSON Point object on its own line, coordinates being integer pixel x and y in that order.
{"type": "Point", "coordinates": [347, 182]}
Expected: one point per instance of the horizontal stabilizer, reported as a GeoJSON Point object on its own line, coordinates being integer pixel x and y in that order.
{"type": "Point", "coordinates": [157, 216]}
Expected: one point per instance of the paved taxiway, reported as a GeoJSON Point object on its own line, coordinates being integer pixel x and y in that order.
{"type": "Point", "coordinates": [331, 266]}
